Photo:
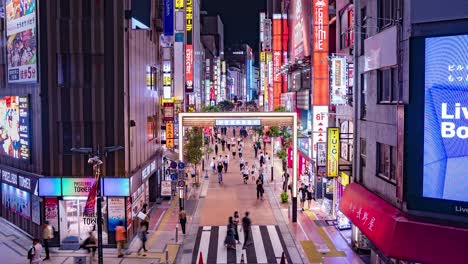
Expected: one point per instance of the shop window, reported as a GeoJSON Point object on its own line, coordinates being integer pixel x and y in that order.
{"type": "Point", "coordinates": [388, 13]}
{"type": "Point", "coordinates": [386, 162]}
{"type": "Point", "coordinates": [346, 27]}
{"type": "Point", "coordinates": [387, 85]}
{"type": "Point", "coordinates": [363, 157]}
{"type": "Point", "coordinates": [363, 83]}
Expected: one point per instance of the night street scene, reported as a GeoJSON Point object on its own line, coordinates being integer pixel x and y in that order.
{"type": "Point", "coordinates": [245, 131]}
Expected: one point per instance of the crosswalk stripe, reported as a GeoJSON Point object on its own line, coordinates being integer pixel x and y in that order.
{"type": "Point", "coordinates": [212, 252]}
{"type": "Point", "coordinates": [239, 250]}
{"type": "Point", "coordinates": [204, 243]}
{"type": "Point", "coordinates": [267, 244]}
{"type": "Point", "coordinates": [222, 251]}
{"type": "Point", "coordinates": [258, 243]}
{"type": "Point", "coordinates": [275, 241]}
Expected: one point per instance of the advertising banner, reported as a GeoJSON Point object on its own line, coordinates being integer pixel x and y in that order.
{"type": "Point", "coordinates": [76, 186]}
{"type": "Point", "coordinates": [300, 28]}
{"type": "Point", "coordinates": [168, 10]}
{"type": "Point", "coordinates": [277, 60]}
{"type": "Point", "coordinates": [129, 212]}
{"type": "Point", "coordinates": [338, 81]}
{"type": "Point", "coordinates": [320, 56]}
{"type": "Point", "coordinates": [166, 188]}
{"type": "Point", "coordinates": [51, 212]}
{"type": "Point", "coordinates": [169, 135]}
{"type": "Point", "coordinates": [333, 151]}
{"type": "Point", "coordinates": [179, 4]}
{"type": "Point", "coordinates": [91, 201]}
{"type": "Point", "coordinates": [35, 210]}
{"type": "Point", "coordinates": [23, 203]}
{"type": "Point", "coordinates": [14, 127]}
{"type": "Point", "coordinates": [168, 111]}
{"type": "Point", "coordinates": [319, 126]}
{"type": "Point", "coordinates": [21, 41]}
{"type": "Point", "coordinates": [189, 47]}
{"type": "Point", "coordinates": [445, 174]}
{"type": "Point", "coordinates": [116, 212]}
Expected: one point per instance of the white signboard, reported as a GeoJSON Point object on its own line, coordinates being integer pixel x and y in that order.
{"type": "Point", "coordinates": [321, 154]}
{"type": "Point", "coordinates": [338, 82]}
{"type": "Point", "coordinates": [319, 126]}
{"type": "Point", "coordinates": [166, 189]}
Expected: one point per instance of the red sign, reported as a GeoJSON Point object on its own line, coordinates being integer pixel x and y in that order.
{"type": "Point", "coordinates": [320, 60]}
{"type": "Point", "coordinates": [168, 111]}
{"type": "Point", "coordinates": [290, 158]}
{"type": "Point", "coordinates": [91, 201]}
{"type": "Point", "coordinates": [299, 33]}
{"type": "Point", "coordinates": [189, 68]}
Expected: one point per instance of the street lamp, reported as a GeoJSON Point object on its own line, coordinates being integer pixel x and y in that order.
{"type": "Point", "coordinates": [96, 161]}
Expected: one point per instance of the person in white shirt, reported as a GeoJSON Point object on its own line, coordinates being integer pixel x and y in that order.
{"type": "Point", "coordinates": [220, 159]}
{"type": "Point", "coordinates": [37, 250]}
{"type": "Point", "coordinates": [226, 163]}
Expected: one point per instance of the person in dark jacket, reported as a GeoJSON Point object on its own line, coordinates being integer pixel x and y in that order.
{"type": "Point", "coordinates": [220, 172]}
{"type": "Point", "coordinates": [230, 241]}
{"type": "Point", "coordinates": [246, 223]}
{"type": "Point", "coordinates": [260, 189]}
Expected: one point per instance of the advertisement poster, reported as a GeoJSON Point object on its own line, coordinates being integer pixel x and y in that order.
{"type": "Point", "coordinates": [23, 203]}
{"type": "Point", "coordinates": [129, 212]}
{"type": "Point", "coordinates": [51, 212]}
{"type": "Point", "coordinates": [8, 197]}
{"type": "Point", "coordinates": [446, 118]}
{"type": "Point", "coordinates": [14, 127]}
{"type": "Point", "coordinates": [166, 189]}
{"type": "Point", "coordinates": [333, 151]}
{"type": "Point", "coordinates": [169, 135]}
{"type": "Point", "coordinates": [21, 40]}
{"type": "Point", "coordinates": [338, 81]}
{"type": "Point", "coordinates": [36, 210]}
{"type": "Point", "coordinates": [116, 212]}
{"type": "Point", "coordinates": [76, 186]}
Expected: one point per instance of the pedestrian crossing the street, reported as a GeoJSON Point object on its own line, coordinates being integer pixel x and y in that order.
{"type": "Point", "coordinates": [265, 246]}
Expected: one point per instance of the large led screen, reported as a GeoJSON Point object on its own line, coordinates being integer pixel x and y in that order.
{"type": "Point", "coordinates": [21, 40]}
{"type": "Point", "coordinates": [14, 127]}
{"type": "Point", "coordinates": [445, 169]}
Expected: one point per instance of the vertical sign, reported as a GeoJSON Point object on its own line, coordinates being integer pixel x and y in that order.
{"type": "Point", "coordinates": [189, 48]}
{"type": "Point", "coordinates": [51, 211]}
{"type": "Point", "coordinates": [115, 212]}
{"type": "Point", "coordinates": [333, 151]}
{"type": "Point", "coordinates": [320, 60]}
{"type": "Point", "coordinates": [168, 10]}
{"type": "Point", "coordinates": [277, 60]}
{"type": "Point", "coordinates": [267, 35]}
{"type": "Point", "coordinates": [21, 41]}
{"type": "Point", "coordinates": [179, 4]}
{"type": "Point", "coordinates": [338, 81]}
{"type": "Point", "coordinates": [284, 48]}
{"type": "Point", "coordinates": [169, 135]}
{"type": "Point", "coordinates": [319, 126]}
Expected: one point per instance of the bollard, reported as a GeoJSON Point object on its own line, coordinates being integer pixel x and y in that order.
{"type": "Point", "coordinates": [272, 172]}
{"type": "Point", "coordinates": [289, 211]}
{"type": "Point", "coordinates": [167, 256]}
{"type": "Point", "coordinates": [176, 233]}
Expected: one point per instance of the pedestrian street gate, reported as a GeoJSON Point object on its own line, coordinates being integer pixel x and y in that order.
{"type": "Point", "coordinates": [245, 119]}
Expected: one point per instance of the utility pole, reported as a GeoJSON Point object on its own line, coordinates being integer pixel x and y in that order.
{"type": "Point", "coordinates": [96, 160]}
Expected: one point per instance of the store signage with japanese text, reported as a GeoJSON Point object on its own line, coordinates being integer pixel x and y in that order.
{"type": "Point", "coordinates": [179, 4]}
{"type": "Point", "coordinates": [319, 126]}
{"type": "Point", "coordinates": [168, 109]}
{"type": "Point", "coordinates": [333, 151]}
{"type": "Point", "coordinates": [338, 81]}
{"type": "Point", "coordinates": [168, 10]}
{"type": "Point", "coordinates": [166, 188]}
{"type": "Point", "coordinates": [322, 154]}
{"type": "Point", "coordinates": [320, 49]}
{"type": "Point", "coordinates": [189, 47]}
{"type": "Point", "coordinates": [169, 135]}
{"type": "Point", "coordinates": [76, 186]}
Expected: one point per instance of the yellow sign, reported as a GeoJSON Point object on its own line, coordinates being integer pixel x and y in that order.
{"type": "Point", "coordinates": [179, 4]}
{"type": "Point", "coordinates": [262, 56]}
{"type": "Point", "coordinates": [169, 135]}
{"type": "Point", "coordinates": [333, 140]}
{"type": "Point", "coordinates": [344, 178]}
{"type": "Point", "coordinates": [189, 17]}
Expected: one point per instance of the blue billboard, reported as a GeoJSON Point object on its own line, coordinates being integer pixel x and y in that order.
{"type": "Point", "coordinates": [168, 10]}
{"type": "Point", "coordinates": [445, 160]}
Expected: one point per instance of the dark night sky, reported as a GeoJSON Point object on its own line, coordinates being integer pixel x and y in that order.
{"type": "Point", "coordinates": [240, 18]}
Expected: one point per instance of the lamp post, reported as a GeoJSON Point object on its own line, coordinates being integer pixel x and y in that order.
{"type": "Point", "coordinates": [96, 161]}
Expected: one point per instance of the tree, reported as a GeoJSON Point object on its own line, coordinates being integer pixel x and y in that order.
{"type": "Point", "coordinates": [225, 106]}
{"type": "Point", "coordinates": [210, 108]}
{"type": "Point", "coordinates": [280, 109]}
{"type": "Point", "coordinates": [193, 152]}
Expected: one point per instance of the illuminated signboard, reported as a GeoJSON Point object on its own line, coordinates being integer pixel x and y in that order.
{"type": "Point", "coordinates": [167, 79]}
{"type": "Point", "coordinates": [320, 57]}
{"type": "Point", "coordinates": [76, 186]}
{"type": "Point", "coordinates": [284, 49]}
{"type": "Point", "coordinates": [14, 127]}
{"type": "Point", "coordinates": [333, 151]}
{"type": "Point", "coordinates": [179, 4]}
{"type": "Point", "coordinates": [299, 21]}
{"type": "Point", "coordinates": [277, 60]}
{"type": "Point", "coordinates": [446, 118]}
{"type": "Point", "coordinates": [319, 126]}
{"type": "Point", "coordinates": [338, 81]}
{"type": "Point", "coordinates": [189, 47]}
{"type": "Point", "coordinates": [238, 122]}
{"type": "Point", "coordinates": [21, 41]}
{"type": "Point", "coordinates": [169, 135]}
{"type": "Point", "coordinates": [168, 10]}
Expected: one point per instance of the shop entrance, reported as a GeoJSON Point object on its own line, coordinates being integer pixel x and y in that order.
{"type": "Point", "coordinates": [74, 227]}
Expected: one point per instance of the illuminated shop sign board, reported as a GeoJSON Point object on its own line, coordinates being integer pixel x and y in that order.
{"type": "Point", "coordinates": [333, 151]}
{"type": "Point", "coordinates": [238, 122]}
{"type": "Point", "coordinates": [320, 56]}
{"type": "Point", "coordinates": [14, 127]}
{"type": "Point", "coordinates": [189, 47]}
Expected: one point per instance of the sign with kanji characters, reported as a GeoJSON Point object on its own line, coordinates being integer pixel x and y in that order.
{"type": "Point", "coordinates": [333, 151]}
{"type": "Point", "coordinates": [321, 154]}
{"type": "Point", "coordinates": [319, 126]}
{"type": "Point", "coordinates": [169, 135]}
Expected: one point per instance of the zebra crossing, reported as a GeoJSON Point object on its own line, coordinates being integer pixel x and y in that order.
{"type": "Point", "coordinates": [266, 246]}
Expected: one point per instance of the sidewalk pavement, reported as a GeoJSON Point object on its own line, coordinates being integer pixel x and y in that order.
{"type": "Point", "coordinates": [318, 242]}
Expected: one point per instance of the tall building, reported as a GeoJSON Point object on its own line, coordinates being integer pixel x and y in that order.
{"type": "Point", "coordinates": [89, 81]}
{"type": "Point", "coordinates": [409, 152]}
{"type": "Point", "coordinates": [241, 57]}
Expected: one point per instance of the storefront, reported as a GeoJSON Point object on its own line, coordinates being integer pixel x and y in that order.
{"type": "Point", "coordinates": [396, 235]}
{"type": "Point", "coordinates": [20, 203]}
{"type": "Point", "coordinates": [64, 202]}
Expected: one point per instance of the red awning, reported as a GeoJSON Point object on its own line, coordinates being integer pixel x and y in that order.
{"type": "Point", "coordinates": [398, 236]}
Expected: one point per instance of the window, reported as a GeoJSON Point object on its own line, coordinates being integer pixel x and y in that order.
{"type": "Point", "coordinates": [387, 85]}
{"type": "Point", "coordinates": [363, 33]}
{"type": "Point", "coordinates": [388, 13]}
{"type": "Point", "coordinates": [363, 96]}
{"type": "Point", "coordinates": [386, 161]}
{"type": "Point", "coordinates": [363, 157]}
{"type": "Point", "coordinates": [346, 140]}
{"type": "Point", "coordinates": [150, 128]}
{"type": "Point", "coordinates": [346, 27]}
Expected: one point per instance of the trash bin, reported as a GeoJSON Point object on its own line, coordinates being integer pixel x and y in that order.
{"type": "Point", "coordinates": [79, 260]}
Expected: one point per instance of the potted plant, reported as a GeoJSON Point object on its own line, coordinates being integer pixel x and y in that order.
{"type": "Point", "coordinates": [284, 197]}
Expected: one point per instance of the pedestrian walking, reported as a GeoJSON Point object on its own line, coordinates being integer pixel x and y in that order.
{"type": "Point", "coordinates": [241, 164]}
{"type": "Point", "coordinates": [260, 189]}
{"type": "Point", "coordinates": [228, 144]}
{"type": "Point", "coordinates": [220, 172]}
{"type": "Point", "coordinates": [310, 193]}
{"type": "Point", "coordinates": [285, 180]}
{"type": "Point", "coordinates": [245, 174]}
{"type": "Point", "coordinates": [120, 237]}
{"type": "Point", "coordinates": [303, 192]}
{"type": "Point", "coordinates": [226, 163]}
{"type": "Point", "coordinates": [34, 253]}
{"type": "Point", "coordinates": [47, 235]}
{"type": "Point", "coordinates": [261, 159]}
{"type": "Point", "coordinates": [230, 241]}
{"type": "Point", "coordinates": [255, 149]}
{"type": "Point", "coordinates": [90, 244]}
{"type": "Point", "coordinates": [252, 173]}
{"type": "Point", "coordinates": [213, 164]}
{"type": "Point", "coordinates": [192, 171]}
{"type": "Point", "coordinates": [145, 221]}
{"type": "Point", "coordinates": [223, 143]}
{"type": "Point", "coordinates": [143, 239]}
{"type": "Point", "coordinates": [234, 131]}
{"type": "Point", "coordinates": [233, 146]}
{"type": "Point", "coordinates": [240, 151]}
{"type": "Point", "coordinates": [236, 220]}
{"type": "Point", "coordinates": [216, 149]}
{"type": "Point", "coordinates": [183, 220]}
{"type": "Point", "coordinates": [246, 223]}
